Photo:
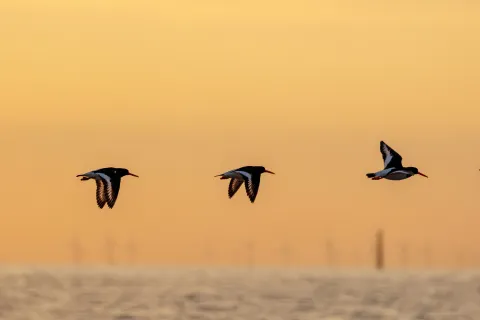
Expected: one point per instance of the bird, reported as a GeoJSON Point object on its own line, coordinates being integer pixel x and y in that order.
{"type": "Point", "coordinates": [393, 168]}
{"type": "Point", "coordinates": [248, 174]}
{"type": "Point", "coordinates": [108, 184]}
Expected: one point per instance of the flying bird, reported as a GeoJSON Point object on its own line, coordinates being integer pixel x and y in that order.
{"type": "Point", "coordinates": [250, 175]}
{"type": "Point", "coordinates": [393, 168]}
{"type": "Point", "coordinates": [108, 184]}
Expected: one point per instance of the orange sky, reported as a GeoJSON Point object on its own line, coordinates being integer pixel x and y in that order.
{"type": "Point", "coordinates": [178, 91]}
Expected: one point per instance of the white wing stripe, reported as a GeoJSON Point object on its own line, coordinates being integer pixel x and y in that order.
{"type": "Point", "coordinates": [233, 174]}
{"type": "Point", "coordinates": [388, 155]}
{"type": "Point", "coordinates": [108, 185]}
{"type": "Point", "coordinates": [100, 193]}
{"type": "Point", "coordinates": [105, 177]}
{"type": "Point", "coordinates": [90, 174]}
{"type": "Point", "coordinates": [246, 174]}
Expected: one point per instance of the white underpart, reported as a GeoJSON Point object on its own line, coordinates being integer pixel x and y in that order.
{"type": "Point", "coordinates": [384, 172]}
{"type": "Point", "coordinates": [399, 175]}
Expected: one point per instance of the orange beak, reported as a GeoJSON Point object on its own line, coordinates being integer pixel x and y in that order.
{"type": "Point", "coordinates": [269, 171]}
{"type": "Point", "coordinates": [131, 174]}
{"type": "Point", "coordinates": [422, 174]}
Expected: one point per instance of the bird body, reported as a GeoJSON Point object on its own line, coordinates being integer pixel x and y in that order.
{"type": "Point", "coordinates": [248, 174]}
{"type": "Point", "coordinates": [393, 168]}
{"type": "Point", "coordinates": [108, 184]}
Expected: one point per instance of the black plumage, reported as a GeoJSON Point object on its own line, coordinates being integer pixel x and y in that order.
{"type": "Point", "coordinates": [250, 175]}
{"type": "Point", "coordinates": [108, 184]}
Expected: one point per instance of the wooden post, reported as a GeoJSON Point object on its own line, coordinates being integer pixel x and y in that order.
{"type": "Point", "coordinates": [379, 251]}
{"type": "Point", "coordinates": [207, 253]}
{"type": "Point", "coordinates": [329, 253]}
{"type": "Point", "coordinates": [110, 251]}
{"type": "Point", "coordinates": [250, 254]}
{"type": "Point", "coordinates": [404, 255]}
{"type": "Point", "coordinates": [427, 255]}
{"type": "Point", "coordinates": [286, 254]}
{"type": "Point", "coordinates": [132, 251]}
{"type": "Point", "coordinates": [76, 249]}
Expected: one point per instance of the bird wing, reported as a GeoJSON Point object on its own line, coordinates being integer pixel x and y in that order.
{"type": "Point", "coordinates": [251, 186]}
{"type": "Point", "coordinates": [101, 198]}
{"type": "Point", "coordinates": [115, 189]}
{"type": "Point", "coordinates": [233, 187]}
{"type": "Point", "coordinates": [391, 158]}
{"type": "Point", "coordinates": [112, 187]}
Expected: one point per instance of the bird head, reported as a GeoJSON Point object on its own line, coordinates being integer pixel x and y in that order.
{"type": "Point", "coordinates": [124, 172]}
{"type": "Point", "coordinates": [415, 171]}
{"type": "Point", "coordinates": [262, 170]}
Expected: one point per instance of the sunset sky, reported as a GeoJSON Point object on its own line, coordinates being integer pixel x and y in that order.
{"type": "Point", "coordinates": [179, 91]}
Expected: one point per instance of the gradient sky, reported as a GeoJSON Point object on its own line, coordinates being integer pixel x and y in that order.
{"type": "Point", "coordinates": [178, 91]}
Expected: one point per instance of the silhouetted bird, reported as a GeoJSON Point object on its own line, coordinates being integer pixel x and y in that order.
{"type": "Point", "coordinates": [108, 184]}
{"type": "Point", "coordinates": [250, 175]}
{"type": "Point", "coordinates": [393, 168]}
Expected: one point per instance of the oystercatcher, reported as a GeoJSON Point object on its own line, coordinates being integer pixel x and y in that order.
{"type": "Point", "coordinates": [108, 184]}
{"type": "Point", "coordinates": [393, 169]}
{"type": "Point", "coordinates": [250, 175]}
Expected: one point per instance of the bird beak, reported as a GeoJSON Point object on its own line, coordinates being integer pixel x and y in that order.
{"type": "Point", "coordinates": [270, 172]}
{"type": "Point", "coordinates": [131, 174]}
{"type": "Point", "coordinates": [422, 174]}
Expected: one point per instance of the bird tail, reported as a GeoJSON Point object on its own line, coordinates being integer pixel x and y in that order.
{"type": "Point", "coordinates": [370, 175]}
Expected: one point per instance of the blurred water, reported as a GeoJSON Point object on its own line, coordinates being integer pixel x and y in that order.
{"type": "Point", "coordinates": [234, 294]}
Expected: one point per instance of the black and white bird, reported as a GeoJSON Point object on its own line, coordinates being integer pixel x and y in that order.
{"type": "Point", "coordinates": [250, 175]}
{"type": "Point", "coordinates": [393, 168]}
{"type": "Point", "coordinates": [108, 184]}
